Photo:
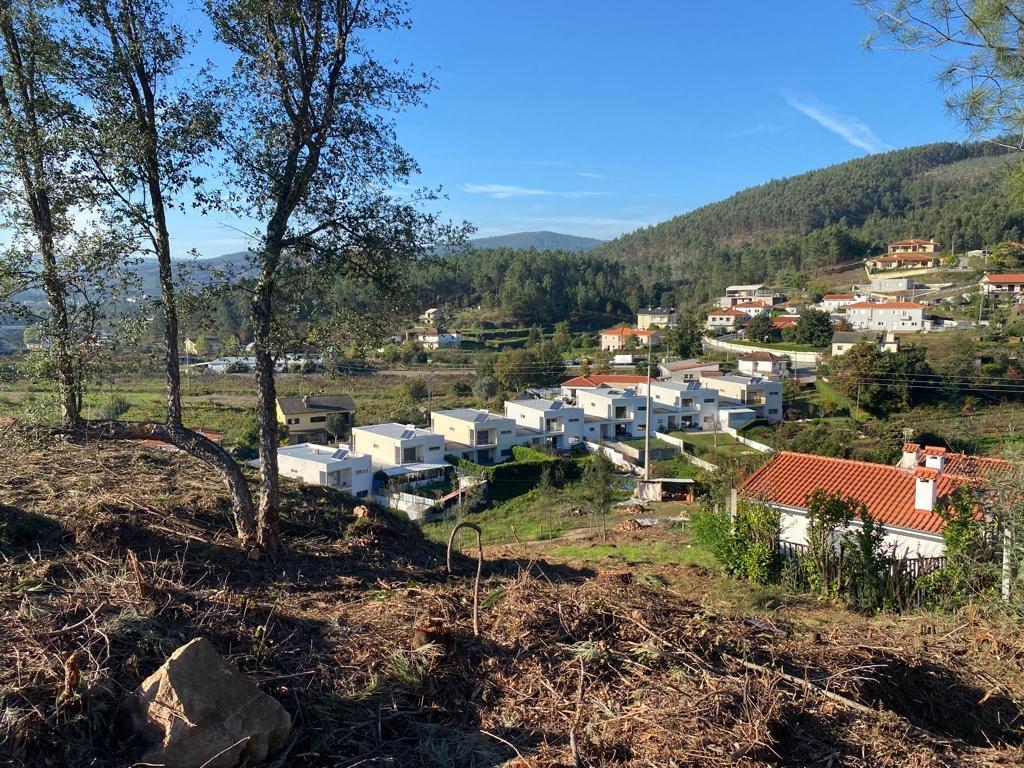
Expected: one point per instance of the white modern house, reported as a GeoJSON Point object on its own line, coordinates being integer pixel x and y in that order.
{"type": "Point", "coordinates": [436, 338]}
{"type": "Point", "coordinates": [617, 414]}
{"type": "Point", "coordinates": [834, 301]}
{"type": "Point", "coordinates": [392, 444]}
{"type": "Point", "coordinates": [753, 308]}
{"type": "Point", "coordinates": [323, 465]}
{"type": "Point", "coordinates": [548, 423]}
{"type": "Point", "coordinates": [479, 436]}
{"type": "Point", "coordinates": [735, 294]}
{"type": "Point", "coordinates": [844, 341]}
{"type": "Point", "coordinates": [905, 316]}
{"type": "Point", "coordinates": [741, 399]}
{"type": "Point", "coordinates": [686, 405]}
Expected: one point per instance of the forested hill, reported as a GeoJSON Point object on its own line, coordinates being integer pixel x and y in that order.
{"type": "Point", "coordinates": [538, 241]}
{"type": "Point", "coordinates": [837, 213]}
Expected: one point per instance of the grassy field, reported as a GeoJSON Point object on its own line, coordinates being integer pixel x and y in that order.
{"type": "Point", "coordinates": [782, 346]}
{"type": "Point", "coordinates": [705, 443]}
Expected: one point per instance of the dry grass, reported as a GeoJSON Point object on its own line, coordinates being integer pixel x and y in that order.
{"type": "Point", "coordinates": [113, 556]}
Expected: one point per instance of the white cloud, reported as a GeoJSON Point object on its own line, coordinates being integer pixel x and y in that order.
{"type": "Point", "coordinates": [589, 175]}
{"type": "Point", "coordinates": [503, 191]}
{"type": "Point", "coordinates": [851, 129]}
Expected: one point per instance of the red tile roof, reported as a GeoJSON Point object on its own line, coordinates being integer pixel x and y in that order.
{"type": "Point", "coordinates": [627, 331]}
{"type": "Point", "coordinates": [784, 322]}
{"type": "Point", "coordinates": [730, 312]}
{"type": "Point", "coordinates": [911, 447]}
{"type": "Point", "coordinates": [912, 241]}
{"type": "Point", "coordinates": [838, 296]}
{"type": "Point", "coordinates": [1004, 277]}
{"type": "Point", "coordinates": [889, 493]}
{"type": "Point", "coordinates": [597, 379]}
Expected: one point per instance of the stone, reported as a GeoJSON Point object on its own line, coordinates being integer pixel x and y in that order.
{"type": "Point", "coordinates": [198, 711]}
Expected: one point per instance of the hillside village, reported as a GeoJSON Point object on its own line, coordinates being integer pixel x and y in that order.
{"type": "Point", "coordinates": [317, 451]}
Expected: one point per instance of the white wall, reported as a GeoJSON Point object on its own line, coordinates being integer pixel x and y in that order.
{"type": "Point", "coordinates": [901, 542]}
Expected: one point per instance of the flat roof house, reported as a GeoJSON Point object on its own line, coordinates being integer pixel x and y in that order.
{"type": "Point", "coordinates": [741, 399]}
{"type": "Point", "coordinates": [479, 436]}
{"type": "Point", "coordinates": [392, 444]}
{"type": "Point", "coordinates": [663, 317]}
{"type": "Point", "coordinates": [687, 405]}
{"type": "Point", "coordinates": [905, 498]}
{"type": "Point", "coordinates": [753, 308]}
{"type": "Point", "coordinates": [906, 316]}
{"type": "Point", "coordinates": [436, 338]}
{"type": "Point", "coordinates": [614, 414]}
{"type": "Point", "coordinates": [323, 465]}
{"type": "Point", "coordinates": [306, 418]}
{"type": "Point", "coordinates": [615, 339]}
{"type": "Point", "coordinates": [830, 302]}
{"type": "Point", "coordinates": [548, 423]}
{"type": "Point", "coordinates": [1003, 282]}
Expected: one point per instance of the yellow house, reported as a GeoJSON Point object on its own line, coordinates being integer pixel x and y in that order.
{"type": "Point", "coordinates": [307, 417]}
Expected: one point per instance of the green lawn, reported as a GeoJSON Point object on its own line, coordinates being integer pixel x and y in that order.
{"type": "Point", "coordinates": [704, 443]}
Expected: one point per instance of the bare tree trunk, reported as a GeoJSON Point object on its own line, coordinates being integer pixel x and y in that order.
{"type": "Point", "coordinates": [267, 515]}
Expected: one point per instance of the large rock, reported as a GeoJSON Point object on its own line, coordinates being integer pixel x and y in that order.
{"type": "Point", "coordinates": [199, 711]}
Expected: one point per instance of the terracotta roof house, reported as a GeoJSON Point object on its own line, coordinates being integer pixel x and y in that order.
{"type": "Point", "coordinates": [615, 339]}
{"type": "Point", "coordinates": [1003, 282]}
{"type": "Point", "coordinates": [782, 322]}
{"type": "Point", "coordinates": [726, 318]}
{"type": "Point", "coordinates": [905, 261]}
{"type": "Point", "coordinates": [904, 498]}
{"type": "Point", "coordinates": [762, 363]}
{"type": "Point", "coordinates": [914, 245]}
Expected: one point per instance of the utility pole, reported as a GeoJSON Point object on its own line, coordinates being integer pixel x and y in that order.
{"type": "Point", "coordinates": [647, 428]}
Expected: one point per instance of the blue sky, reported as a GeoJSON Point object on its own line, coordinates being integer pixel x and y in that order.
{"type": "Point", "coordinates": [595, 117]}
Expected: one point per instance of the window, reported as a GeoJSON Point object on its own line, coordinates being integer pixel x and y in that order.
{"type": "Point", "coordinates": [773, 410]}
{"type": "Point", "coordinates": [506, 452]}
{"type": "Point", "coordinates": [317, 419]}
{"type": "Point", "coordinates": [709, 399]}
{"type": "Point", "coordinates": [362, 494]}
{"type": "Point", "coordinates": [506, 431]}
{"type": "Point", "coordinates": [362, 471]}
{"type": "Point", "coordinates": [642, 408]}
{"type": "Point", "coordinates": [573, 421]}
{"type": "Point", "coordinates": [292, 421]}
{"type": "Point", "coordinates": [435, 447]}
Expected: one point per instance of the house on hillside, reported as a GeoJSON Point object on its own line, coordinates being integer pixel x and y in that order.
{"type": "Point", "coordinates": [741, 399]}
{"type": "Point", "coordinates": [617, 414]}
{"type": "Point", "coordinates": [761, 362]}
{"type": "Point", "coordinates": [753, 308]}
{"type": "Point", "coordinates": [906, 499]}
{"type": "Point", "coordinates": [615, 339]}
{"type": "Point", "coordinates": [686, 405]}
{"type": "Point", "coordinates": [726, 319]}
{"type": "Point", "coordinates": [914, 245]}
{"type": "Point", "coordinates": [401, 445]}
{"type": "Point", "coordinates": [782, 322]}
{"type": "Point", "coordinates": [435, 338]}
{"type": "Point", "coordinates": [685, 370]}
{"type": "Point", "coordinates": [547, 423]}
{"type": "Point", "coordinates": [1003, 282]}
{"type": "Point", "coordinates": [323, 465]}
{"type": "Point", "coordinates": [905, 261]}
{"type": "Point", "coordinates": [306, 418]}
{"type": "Point", "coordinates": [479, 436]}
{"type": "Point", "coordinates": [571, 388]}
{"type": "Point", "coordinates": [831, 302]}
{"type": "Point", "coordinates": [904, 316]}
{"type": "Point", "coordinates": [736, 294]}
{"type": "Point", "coordinates": [663, 317]}
{"type": "Point", "coordinates": [432, 315]}
{"type": "Point", "coordinates": [844, 341]}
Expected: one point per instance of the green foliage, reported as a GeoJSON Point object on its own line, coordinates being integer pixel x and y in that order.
{"type": "Point", "coordinates": [760, 329]}
{"type": "Point", "coordinates": [745, 546]}
{"type": "Point", "coordinates": [969, 573]}
{"type": "Point", "coordinates": [866, 566]}
{"type": "Point", "coordinates": [116, 407]}
{"type": "Point", "coordinates": [880, 380]}
{"type": "Point", "coordinates": [485, 388]}
{"type": "Point", "coordinates": [828, 517]}
{"type": "Point", "coordinates": [825, 439]}
{"type": "Point", "coordinates": [813, 328]}
{"type": "Point", "coordinates": [415, 389]}
{"type": "Point", "coordinates": [517, 369]}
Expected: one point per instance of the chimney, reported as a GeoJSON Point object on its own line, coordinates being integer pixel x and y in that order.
{"type": "Point", "coordinates": [911, 455]}
{"type": "Point", "coordinates": [935, 458]}
{"type": "Point", "coordinates": [924, 488]}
